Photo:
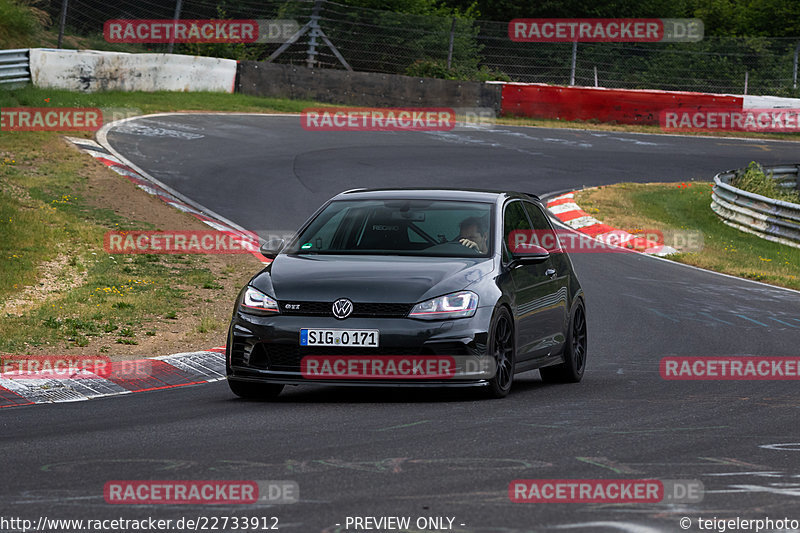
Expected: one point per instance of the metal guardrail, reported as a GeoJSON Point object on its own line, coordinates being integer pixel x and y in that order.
{"type": "Point", "coordinates": [15, 66]}
{"type": "Point", "coordinates": [770, 219]}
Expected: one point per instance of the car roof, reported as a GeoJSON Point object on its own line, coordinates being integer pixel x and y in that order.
{"type": "Point", "coordinates": [477, 195]}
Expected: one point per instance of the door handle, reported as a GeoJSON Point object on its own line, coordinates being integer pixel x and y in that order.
{"type": "Point", "coordinates": [550, 273]}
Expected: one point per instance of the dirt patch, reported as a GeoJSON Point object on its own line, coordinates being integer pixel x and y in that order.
{"type": "Point", "coordinates": [56, 276]}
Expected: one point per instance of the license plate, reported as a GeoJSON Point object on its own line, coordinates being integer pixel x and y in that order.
{"type": "Point", "coordinates": [351, 338]}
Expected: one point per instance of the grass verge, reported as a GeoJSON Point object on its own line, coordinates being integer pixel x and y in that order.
{"type": "Point", "coordinates": [137, 103]}
{"type": "Point", "coordinates": [673, 207]}
{"type": "Point", "coordinates": [60, 292]}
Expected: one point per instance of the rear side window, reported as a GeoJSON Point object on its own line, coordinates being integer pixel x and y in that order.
{"type": "Point", "coordinates": [514, 219]}
{"type": "Point", "coordinates": [537, 216]}
{"type": "Point", "coordinates": [543, 232]}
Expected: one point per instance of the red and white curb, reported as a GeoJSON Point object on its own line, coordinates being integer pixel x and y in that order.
{"type": "Point", "coordinates": [570, 214]}
{"type": "Point", "coordinates": [166, 372]}
{"type": "Point", "coordinates": [97, 151]}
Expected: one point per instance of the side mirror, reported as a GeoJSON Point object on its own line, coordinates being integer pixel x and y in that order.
{"type": "Point", "coordinates": [529, 254]}
{"type": "Point", "coordinates": [271, 248]}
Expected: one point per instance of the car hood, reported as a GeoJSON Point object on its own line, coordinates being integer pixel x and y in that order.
{"type": "Point", "coordinates": [380, 279]}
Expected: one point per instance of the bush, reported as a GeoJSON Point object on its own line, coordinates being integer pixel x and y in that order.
{"type": "Point", "coordinates": [438, 69]}
{"type": "Point", "coordinates": [756, 181]}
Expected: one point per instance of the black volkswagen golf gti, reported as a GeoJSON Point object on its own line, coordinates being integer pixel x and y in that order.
{"type": "Point", "coordinates": [406, 287]}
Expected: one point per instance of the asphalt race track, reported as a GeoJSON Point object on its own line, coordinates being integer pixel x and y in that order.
{"type": "Point", "coordinates": [239, 165]}
{"type": "Point", "coordinates": [425, 453]}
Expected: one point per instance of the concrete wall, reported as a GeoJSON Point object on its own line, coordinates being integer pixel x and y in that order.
{"type": "Point", "coordinates": [91, 71]}
{"type": "Point", "coordinates": [362, 88]}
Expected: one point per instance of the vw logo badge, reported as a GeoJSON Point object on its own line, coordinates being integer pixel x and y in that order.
{"type": "Point", "coordinates": [342, 308]}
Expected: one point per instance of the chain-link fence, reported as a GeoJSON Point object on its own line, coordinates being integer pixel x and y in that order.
{"type": "Point", "coordinates": [382, 41]}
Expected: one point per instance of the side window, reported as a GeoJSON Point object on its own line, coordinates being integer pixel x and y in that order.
{"type": "Point", "coordinates": [537, 217]}
{"type": "Point", "coordinates": [514, 219]}
{"type": "Point", "coordinates": [544, 233]}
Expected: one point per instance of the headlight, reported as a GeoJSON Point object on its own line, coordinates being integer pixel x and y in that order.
{"type": "Point", "coordinates": [258, 303]}
{"type": "Point", "coordinates": [456, 305]}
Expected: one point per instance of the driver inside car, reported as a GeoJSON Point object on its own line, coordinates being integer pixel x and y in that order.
{"type": "Point", "coordinates": [472, 234]}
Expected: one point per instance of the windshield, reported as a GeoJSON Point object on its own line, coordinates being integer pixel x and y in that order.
{"type": "Point", "coordinates": [441, 228]}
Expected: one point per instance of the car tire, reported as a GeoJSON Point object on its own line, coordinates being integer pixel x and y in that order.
{"type": "Point", "coordinates": [255, 391]}
{"type": "Point", "coordinates": [502, 347]}
{"type": "Point", "coordinates": [574, 365]}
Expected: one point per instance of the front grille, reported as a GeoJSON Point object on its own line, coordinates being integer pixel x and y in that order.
{"type": "Point", "coordinates": [360, 309]}
{"type": "Point", "coordinates": [286, 357]}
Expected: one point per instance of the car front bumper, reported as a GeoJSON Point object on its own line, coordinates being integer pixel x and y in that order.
{"type": "Point", "coordinates": [267, 348]}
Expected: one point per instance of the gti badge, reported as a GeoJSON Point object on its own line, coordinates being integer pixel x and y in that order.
{"type": "Point", "coordinates": [342, 308]}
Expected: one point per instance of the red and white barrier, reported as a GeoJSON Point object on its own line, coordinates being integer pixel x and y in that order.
{"type": "Point", "coordinates": [538, 100]}
{"type": "Point", "coordinates": [623, 106]}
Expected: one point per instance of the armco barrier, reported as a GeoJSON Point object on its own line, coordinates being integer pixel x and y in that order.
{"type": "Point", "coordinates": [362, 88]}
{"type": "Point", "coordinates": [770, 219]}
{"type": "Point", "coordinates": [90, 71]}
{"type": "Point", "coordinates": [605, 105]}
{"type": "Point", "coordinates": [14, 66]}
